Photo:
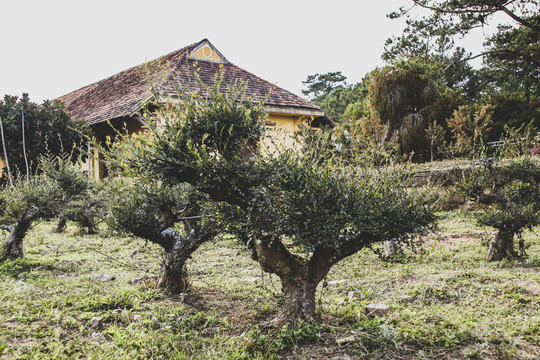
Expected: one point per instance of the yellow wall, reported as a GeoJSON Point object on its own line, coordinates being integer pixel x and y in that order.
{"type": "Point", "coordinates": [280, 131]}
{"type": "Point", "coordinates": [2, 166]}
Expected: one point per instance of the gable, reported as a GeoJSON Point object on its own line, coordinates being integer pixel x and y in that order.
{"type": "Point", "coordinates": [205, 51]}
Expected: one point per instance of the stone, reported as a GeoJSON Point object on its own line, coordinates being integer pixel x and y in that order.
{"type": "Point", "coordinates": [405, 298]}
{"type": "Point", "coordinates": [337, 282]}
{"type": "Point", "coordinates": [392, 248]}
{"type": "Point", "coordinates": [96, 322]}
{"type": "Point", "coordinates": [341, 357]}
{"type": "Point", "coordinates": [377, 310]}
{"type": "Point", "coordinates": [103, 278]}
{"type": "Point", "coordinates": [346, 340]}
{"type": "Point", "coordinates": [355, 295]}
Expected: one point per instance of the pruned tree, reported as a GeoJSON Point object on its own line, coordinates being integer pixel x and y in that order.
{"type": "Point", "coordinates": [512, 192]}
{"type": "Point", "coordinates": [302, 215]}
{"type": "Point", "coordinates": [83, 200]}
{"type": "Point", "coordinates": [24, 203]}
{"type": "Point", "coordinates": [151, 211]}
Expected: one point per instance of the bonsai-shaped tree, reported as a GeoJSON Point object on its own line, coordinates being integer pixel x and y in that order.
{"type": "Point", "coordinates": [150, 210]}
{"type": "Point", "coordinates": [83, 200]}
{"type": "Point", "coordinates": [23, 203]}
{"type": "Point", "coordinates": [513, 194]}
{"type": "Point", "coordinates": [302, 215]}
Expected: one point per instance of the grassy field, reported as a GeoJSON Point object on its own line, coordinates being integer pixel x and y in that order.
{"type": "Point", "coordinates": [445, 302]}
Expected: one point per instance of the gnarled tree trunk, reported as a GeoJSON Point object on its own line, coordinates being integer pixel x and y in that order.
{"type": "Point", "coordinates": [299, 278]}
{"type": "Point", "coordinates": [300, 302]}
{"type": "Point", "coordinates": [13, 247]}
{"type": "Point", "coordinates": [501, 247]}
{"type": "Point", "coordinates": [173, 276]}
{"type": "Point", "coordinates": [61, 226]}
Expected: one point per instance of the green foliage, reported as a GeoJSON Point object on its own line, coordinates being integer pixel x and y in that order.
{"type": "Point", "coordinates": [213, 126]}
{"type": "Point", "coordinates": [67, 174]}
{"type": "Point", "coordinates": [518, 141]}
{"type": "Point", "coordinates": [409, 96]}
{"type": "Point", "coordinates": [88, 209]}
{"type": "Point", "coordinates": [320, 85]}
{"type": "Point", "coordinates": [344, 102]}
{"type": "Point", "coordinates": [38, 191]}
{"type": "Point", "coordinates": [83, 200]}
{"type": "Point", "coordinates": [469, 126]}
{"type": "Point", "coordinates": [319, 206]}
{"type": "Point", "coordinates": [513, 192]}
{"type": "Point", "coordinates": [48, 130]}
{"type": "Point", "coordinates": [511, 108]}
{"type": "Point", "coordinates": [145, 209]}
{"type": "Point", "coordinates": [508, 80]}
{"type": "Point", "coordinates": [512, 82]}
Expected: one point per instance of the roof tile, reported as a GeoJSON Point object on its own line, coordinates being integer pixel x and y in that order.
{"type": "Point", "coordinates": [125, 93]}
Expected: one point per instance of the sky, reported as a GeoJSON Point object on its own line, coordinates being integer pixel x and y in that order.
{"type": "Point", "coordinates": [49, 48]}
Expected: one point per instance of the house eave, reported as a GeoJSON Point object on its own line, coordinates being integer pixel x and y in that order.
{"type": "Point", "coordinates": [294, 111]}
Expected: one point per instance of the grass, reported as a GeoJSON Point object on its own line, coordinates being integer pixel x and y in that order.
{"type": "Point", "coordinates": [445, 302]}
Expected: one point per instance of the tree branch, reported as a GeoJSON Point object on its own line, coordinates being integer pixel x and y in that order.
{"type": "Point", "coordinates": [11, 229]}
{"type": "Point", "coordinates": [475, 56]}
{"type": "Point", "coordinates": [487, 11]}
{"type": "Point", "coordinates": [520, 19]}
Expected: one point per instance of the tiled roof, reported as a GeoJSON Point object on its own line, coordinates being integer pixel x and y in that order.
{"type": "Point", "coordinates": [125, 93]}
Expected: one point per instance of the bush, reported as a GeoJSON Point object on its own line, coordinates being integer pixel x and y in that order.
{"type": "Point", "coordinates": [513, 194]}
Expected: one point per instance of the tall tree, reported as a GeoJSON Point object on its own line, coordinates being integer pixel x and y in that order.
{"type": "Point", "coordinates": [336, 103]}
{"type": "Point", "coordinates": [442, 20]}
{"type": "Point", "coordinates": [319, 85]}
{"type": "Point", "coordinates": [410, 96]}
{"type": "Point", "coordinates": [511, 78]}
{"type": "Point", "coordinates": [48, 129]}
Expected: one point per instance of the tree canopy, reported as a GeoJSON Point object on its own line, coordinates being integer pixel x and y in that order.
{"type": "Point", "coordinates": [48, 129]}
{"type": "Point", "coordinates": [319, 85]}
{"type": "Point", "coordinates": [440, 21]}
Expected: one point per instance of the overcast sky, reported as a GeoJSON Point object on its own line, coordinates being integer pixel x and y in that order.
{"type": "Point", "coordinates": [52, 47]}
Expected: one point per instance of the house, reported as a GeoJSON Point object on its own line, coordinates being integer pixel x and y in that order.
{"type": "Point", "coordinates": [116, 102]}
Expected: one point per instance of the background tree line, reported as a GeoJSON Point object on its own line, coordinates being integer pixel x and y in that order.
{"type": "Point", "coordinates": [428, 102]}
